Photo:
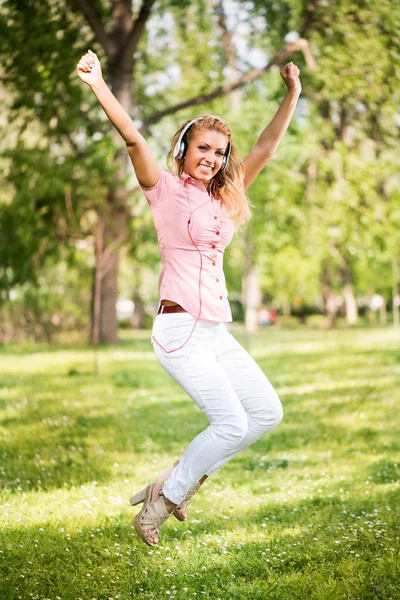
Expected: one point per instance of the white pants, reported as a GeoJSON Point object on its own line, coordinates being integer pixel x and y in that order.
{"type": "Point", "coordinates": [225, 383]}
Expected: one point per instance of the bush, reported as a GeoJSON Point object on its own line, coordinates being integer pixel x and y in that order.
{"type": "Point", "coordinates": [59, 303]}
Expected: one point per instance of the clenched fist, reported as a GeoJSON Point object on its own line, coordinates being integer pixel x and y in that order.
{"type": "Point", "coordinates": [89, 68]}
{"type": "Point", "coordinates": [290, 75]}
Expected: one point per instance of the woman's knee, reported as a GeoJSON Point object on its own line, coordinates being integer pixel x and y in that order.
{"type": "Point", "coordinates": [271, 414]}
{"type": "Point", "coordinates": [232, 430]}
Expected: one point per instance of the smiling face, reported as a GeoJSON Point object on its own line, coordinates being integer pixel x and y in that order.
{"type": "Point", "coordinates": [206, 150]}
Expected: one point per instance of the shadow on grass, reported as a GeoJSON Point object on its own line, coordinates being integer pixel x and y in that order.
{"type": "Point", "coordinates": [73, 427]}
{"type": "Point", "coordinates": [385, 471]}
{"type": "Point", "coordinates": [63, 434]}
{"type": "Point", "coordinates": [69, 426]}
{"type": "Point", "coordinates": [74, 441]}
{"type": "Point", "coordinates": [297, 555]}
{"type": "Point", "coordinates": [339, 546]}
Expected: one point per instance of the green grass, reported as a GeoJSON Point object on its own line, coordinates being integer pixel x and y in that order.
{"type": "Point", "coordinates": [311, 511]}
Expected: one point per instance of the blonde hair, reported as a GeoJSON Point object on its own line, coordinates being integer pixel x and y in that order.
{"type": "Point", "coordinates": [227, 185]}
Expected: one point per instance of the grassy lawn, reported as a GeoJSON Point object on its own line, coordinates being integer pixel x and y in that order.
{"type": "Point", "coordinates": [311, 511]}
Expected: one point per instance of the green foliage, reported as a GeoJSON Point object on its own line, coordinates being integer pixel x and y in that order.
{"type": "Point", "coordinates": [57, 302]}
{"type": "Point", "coordinates": [55, 158]}
{"type": "Point", "coordinates": [293, 274]}
{"type": "Point", "coordinates": [328, 196]}
{"type": "Point", "coordinates": [50, 210]}
{"type": "Point", "coordinates": [37, 43]}
{"type": "Point", "coordinates": [346, 175]}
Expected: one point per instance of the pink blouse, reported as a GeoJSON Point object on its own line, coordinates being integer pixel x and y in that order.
{"type": "Point", "coordinates": [193, 230]}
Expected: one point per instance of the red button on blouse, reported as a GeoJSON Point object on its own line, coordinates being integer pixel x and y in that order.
{"type": "Point", "coordinates": [213, 246]}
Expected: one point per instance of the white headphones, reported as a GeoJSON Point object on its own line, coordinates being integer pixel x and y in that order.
{"type": "Point", "coordinates": [181, 145]}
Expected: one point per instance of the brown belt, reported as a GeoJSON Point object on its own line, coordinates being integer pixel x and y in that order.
{"type": "Point", "coordinates": [171, 309]}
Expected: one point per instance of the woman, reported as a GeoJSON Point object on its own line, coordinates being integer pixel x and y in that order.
{"type": "Point", "coordinates": [196, 209]}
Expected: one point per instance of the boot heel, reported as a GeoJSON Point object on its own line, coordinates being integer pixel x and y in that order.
{"type": "Point", "coordinates": [138, 498]}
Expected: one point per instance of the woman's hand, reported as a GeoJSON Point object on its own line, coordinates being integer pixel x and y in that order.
{"type": "Point", "coordinates": [290, 75]}
{"type": "Point", "coordinates": [89, 69]}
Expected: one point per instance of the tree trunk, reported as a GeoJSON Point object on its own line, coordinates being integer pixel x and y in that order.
{"type": "Point", "coordinates": [286, 307]}
{"type": "Point", "coordinates": [96, 312]}
{"type": "Point", "coordinates": [329, 297]}
{"type": "Point", "coordinates": [350, 304]}
{"type": "Point", "coordinates": [348, 294]}
{"type": "Point", "coordinates": [250, 287]}
{"type": "Point", "coordinates": [114, 235]}
{"type": "Point", "coordinates": [382, 314]}
{"type": "Point", "coordinates": [109, 293]}
{"type": "Point", "coordinates": [252, 293]}
{"type": "Point", "coordinates": [137, 320]}
{"type": "Point", "coordinates": [121, 72]}
{"type": "Point", "coordinates": [395, 293]}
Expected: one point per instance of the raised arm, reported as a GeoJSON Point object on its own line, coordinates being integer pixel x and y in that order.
{"type": "Point", "coordinates": [146, 167]}
{"type": "Point", "coordinates": [269, 139]}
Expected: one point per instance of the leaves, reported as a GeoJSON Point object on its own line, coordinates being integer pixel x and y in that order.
{"type": "Point", "coordinates": [329, 194]}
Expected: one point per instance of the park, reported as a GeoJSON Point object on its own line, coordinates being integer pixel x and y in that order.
{"type": "Point", "coordinates": [88, 416]}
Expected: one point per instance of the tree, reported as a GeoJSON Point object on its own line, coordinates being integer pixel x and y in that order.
{"type": "Point", "coordinates": [44, 86]}
{"type": "Point", "coordinates": [346, 103]}
{"type": "Point", "coordinates": [352, 99]}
